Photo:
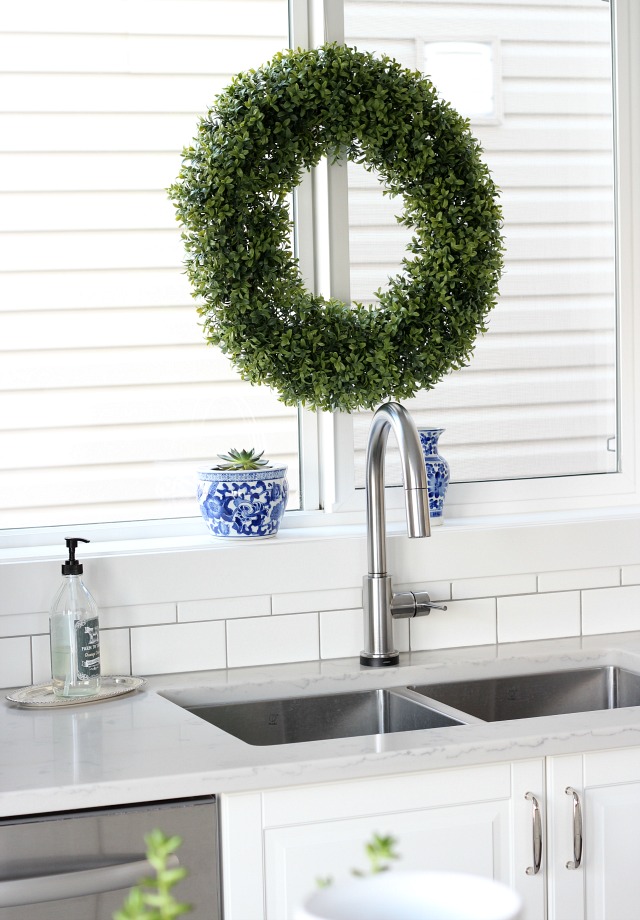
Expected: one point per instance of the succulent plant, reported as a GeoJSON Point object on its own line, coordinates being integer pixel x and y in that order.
{"type": "Point", "coordinates": [242, 460]}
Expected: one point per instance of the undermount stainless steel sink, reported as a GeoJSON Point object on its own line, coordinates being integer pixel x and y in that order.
{"type": "Point", "coordinates": [316, 718]}
{"type": "Point", "coordinates": [526, 696]}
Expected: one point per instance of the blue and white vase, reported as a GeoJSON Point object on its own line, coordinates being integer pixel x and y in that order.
{"type": "Point", "coordinates": [243, 504]}
{"type": "Point", "coordinates": [437, 471]}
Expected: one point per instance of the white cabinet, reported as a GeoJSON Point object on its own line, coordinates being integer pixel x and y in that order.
{"type": "Point", "coordinates": [277, 844]}
{"type": "Point", "coordinates": [606, 885]}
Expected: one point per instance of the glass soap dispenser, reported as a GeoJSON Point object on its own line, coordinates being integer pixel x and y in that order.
{"type": "Point", "coordinates": [75, 639]}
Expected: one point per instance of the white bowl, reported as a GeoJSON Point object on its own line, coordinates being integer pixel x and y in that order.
{"type": "Point", "coordinates": [414, 896]}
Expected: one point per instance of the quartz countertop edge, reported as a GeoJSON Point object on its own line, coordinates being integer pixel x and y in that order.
{"type": "Point", "coordinates": [144, 747]}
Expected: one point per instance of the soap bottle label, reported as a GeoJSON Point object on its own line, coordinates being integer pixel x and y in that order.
{"type": "Point", "coordinates": [88, 648]}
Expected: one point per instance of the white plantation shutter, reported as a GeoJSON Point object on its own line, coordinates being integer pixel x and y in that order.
{"type": "Point", "coordinates": [539, 397]}
{"type": "Point", "coordinates": [109, 398]}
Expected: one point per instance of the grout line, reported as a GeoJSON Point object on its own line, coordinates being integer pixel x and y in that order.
{"type": "Point", "coordinates": [581, 613]}
{"type": "Point", "coordinates": [31, 665]}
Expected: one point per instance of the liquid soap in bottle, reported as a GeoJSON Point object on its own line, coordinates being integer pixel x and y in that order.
{"type": "Point", "coordinates": [75, 639]}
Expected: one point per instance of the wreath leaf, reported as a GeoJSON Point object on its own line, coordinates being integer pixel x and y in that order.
{"type": "Point", "coordinates": [252, 148]}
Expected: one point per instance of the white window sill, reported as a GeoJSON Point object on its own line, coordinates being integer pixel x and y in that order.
{"type": "Point", "coordinates": [189, 534]}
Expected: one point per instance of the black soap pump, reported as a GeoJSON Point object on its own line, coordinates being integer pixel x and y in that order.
{"type": "Point", "coordinates": [74, 628]}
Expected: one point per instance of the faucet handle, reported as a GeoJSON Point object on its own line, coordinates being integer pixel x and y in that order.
{"type": "Point", "coordinates": [408, 604]}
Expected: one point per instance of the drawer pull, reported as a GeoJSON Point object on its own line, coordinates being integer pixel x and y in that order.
{"type": "Point", "coordinates": [536, 823]}
{"type": "Point", "coordinates": [577, 829]}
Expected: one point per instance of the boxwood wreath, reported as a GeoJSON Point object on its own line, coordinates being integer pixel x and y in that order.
{"type": "Point", "coordinates": [252, 149]}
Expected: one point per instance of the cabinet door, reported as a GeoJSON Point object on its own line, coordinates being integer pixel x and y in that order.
{"type": "Point", "coordinates": [458, 820]}
{"type": "Point", "coordinates": [467, 838]}
{"type": "Point", "coordinates": [612, 823]}
{"type": "Point", "coordinates": [606, 886]}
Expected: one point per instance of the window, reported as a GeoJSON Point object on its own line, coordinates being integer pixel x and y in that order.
{"type": "Point", "coordinates": [110, 400]}
{"type": "Point", "coordinates": [539, 397]}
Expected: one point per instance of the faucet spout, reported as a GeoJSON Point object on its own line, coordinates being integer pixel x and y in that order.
{"type": "Point", "coordinates": [378, 649]}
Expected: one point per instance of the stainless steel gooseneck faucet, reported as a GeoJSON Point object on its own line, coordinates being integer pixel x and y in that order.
{"type": "Point", "coordinates": [380, 604]}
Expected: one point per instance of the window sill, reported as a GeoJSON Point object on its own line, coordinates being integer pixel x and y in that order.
{"type": "Point", "coordinates": [186, 535]}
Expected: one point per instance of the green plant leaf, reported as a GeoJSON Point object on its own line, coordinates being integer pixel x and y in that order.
{"type": "Point", "coordinates": [263, 133]}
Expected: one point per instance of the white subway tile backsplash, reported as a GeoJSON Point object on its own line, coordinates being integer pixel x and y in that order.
{"type": "Point", "coordinates": [341, 633]}
{"type": "Point", "coordinates": [179, 647]}
{"type": "Point", "coordinates": [15, 662]}
{"type": "Point", "coordinates": [137, 615]}
{"type": "Point", "coordinates": [538, 616]}
{"type": "Point", "coordinates": [468, 622]}
{"type": "Point", "coordinates": [225, 608]}
{"type": "Point", "coordinates": [437, 590]}
{"type": "Point", "coordinates": [41, 659]}
{"type": "Point", "coordinates": [401, 635]}
{"type": "Point", "coordinates": [273, 640]}
{"type": "Point", "coordinates": [115, 654]}
{"type": "Point", "coordinates": [578, 578]}
{"type": "Point", "coordinates": [180, 612]}
{"type": "Point", "coordinates": [493, 586]}
{"type": "Point", "coordinates": [24, 624]}
{"type": "Point", "coordinates": [631, 574]}
{"type": "Point", "coordinates": [312, 601]}
{"type": "Point", "coordinates": [115, 651]}
{"type": "Point", "coordinates": [607, 610]}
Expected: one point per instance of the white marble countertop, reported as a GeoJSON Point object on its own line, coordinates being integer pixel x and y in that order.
{"type": "Point", "coordinates": [143, 747]}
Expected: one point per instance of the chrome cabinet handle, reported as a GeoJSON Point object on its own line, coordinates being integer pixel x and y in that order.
{"type": "Point", "coordinates": [577, 829]}
{"type": "Point", "coordinates": [536, 822]}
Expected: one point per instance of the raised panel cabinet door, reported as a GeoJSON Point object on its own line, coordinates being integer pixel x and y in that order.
{"type": "Point", "coordinates": [612, 857]}
{"type": "Point", "coordinates": [278, 845]}
{"type": "Point", "coordinates": [461, 838]}
{"type": "Point", "coordinates": [612, 835]}
{"type": "Point", "coordinates": [594, 815]}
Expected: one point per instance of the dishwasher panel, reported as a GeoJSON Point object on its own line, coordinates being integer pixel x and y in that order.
{"type": "Point", "coordinates": [80, 865]}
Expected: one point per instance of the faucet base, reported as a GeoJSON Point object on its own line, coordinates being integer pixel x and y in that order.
{"type": "Point", "coordinates": [379, 661]}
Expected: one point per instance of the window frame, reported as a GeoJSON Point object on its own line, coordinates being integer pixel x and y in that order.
{"type": "Point", "coordinates": [327, 480]}
{"type": "Point", "coordinates": [486, 498]}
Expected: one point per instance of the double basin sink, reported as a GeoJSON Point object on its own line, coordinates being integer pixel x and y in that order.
{"type": "Point", "coordinates": [424, 706]}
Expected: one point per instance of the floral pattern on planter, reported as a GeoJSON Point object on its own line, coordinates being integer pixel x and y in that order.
{"type": "Point", "coordinates": [437, 471]}
{"type": "Point", "coordinates": [243, 503]}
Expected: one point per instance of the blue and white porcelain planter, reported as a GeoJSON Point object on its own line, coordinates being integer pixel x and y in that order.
{"type": "Point", "coordinates": [243, 504]}
{"type": "Point", "coordinates": [437, 472]}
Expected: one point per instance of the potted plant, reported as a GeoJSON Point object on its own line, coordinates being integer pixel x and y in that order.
{"type": "Point", "coordinates": [244, 496]}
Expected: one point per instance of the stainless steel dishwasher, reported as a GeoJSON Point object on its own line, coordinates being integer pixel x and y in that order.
{"type": "Point", "coordinates": [80, 865]}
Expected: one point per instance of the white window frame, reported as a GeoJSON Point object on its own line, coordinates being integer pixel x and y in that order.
{"type": "Point", "coordinates": [562, 493]}
{"type": "Point", "coordinates": [327, 479]}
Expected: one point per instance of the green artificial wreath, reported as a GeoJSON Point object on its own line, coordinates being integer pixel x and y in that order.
{"type": "Point", "coordinates": [251, 151]}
